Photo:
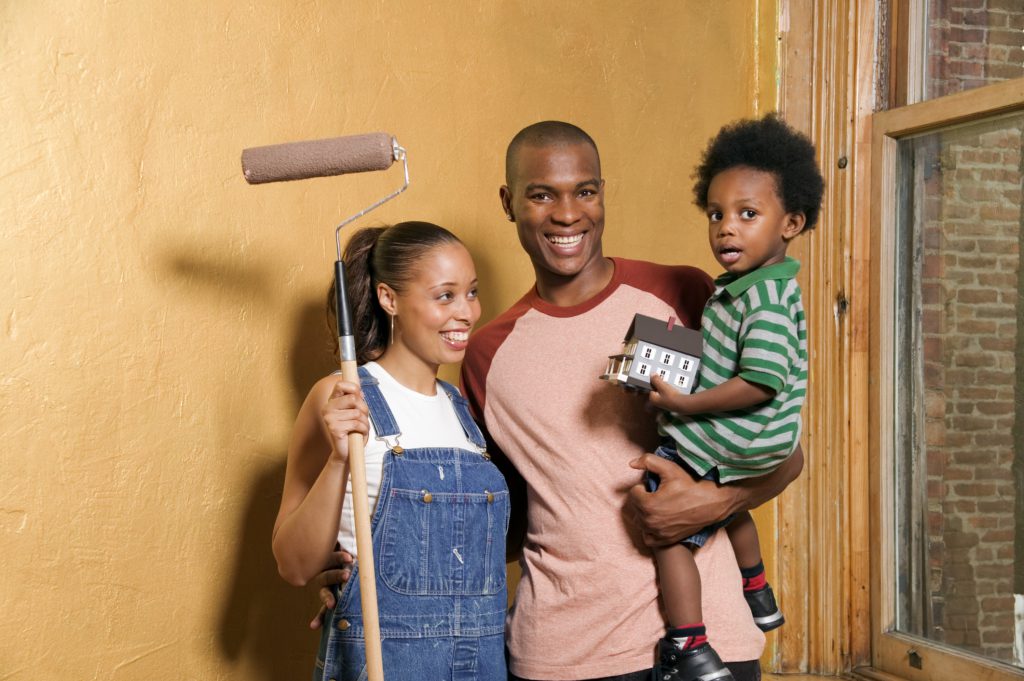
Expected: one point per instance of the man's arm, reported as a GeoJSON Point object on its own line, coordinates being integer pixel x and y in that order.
{"type": "Point", "coordinates": [516, 489]}
{"type": "Point", "coordinates": [472, 384]}
{"type": "Point", "coordinates": [682, 505]}
{"type": "Point", "coordinates": [517, 502]}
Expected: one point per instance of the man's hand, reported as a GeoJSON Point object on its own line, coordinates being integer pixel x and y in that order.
{"type": "Point", "coordinates": [681, 506]}
{"type": "Point", "coordinates": [338, 570]}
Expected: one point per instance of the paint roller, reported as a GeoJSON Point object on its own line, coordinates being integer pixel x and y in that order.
{"type": "Point", "coordinates": [319, 158]}
{"type": "Point", "coordinates": [324, 158]}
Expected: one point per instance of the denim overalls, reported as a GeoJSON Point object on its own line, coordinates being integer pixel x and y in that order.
{"type": "Point", "coordinates": [439, 542]}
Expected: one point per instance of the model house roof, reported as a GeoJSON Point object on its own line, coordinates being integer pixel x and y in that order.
{"type": "Point", "coordinates": [666, 334]}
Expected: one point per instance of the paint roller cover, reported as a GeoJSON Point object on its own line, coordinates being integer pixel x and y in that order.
{"type": "Point", "coordinates": [318, 158]}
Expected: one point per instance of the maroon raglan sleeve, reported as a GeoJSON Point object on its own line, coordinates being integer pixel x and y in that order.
{"type": "Point", "coordinates": [686, 289]}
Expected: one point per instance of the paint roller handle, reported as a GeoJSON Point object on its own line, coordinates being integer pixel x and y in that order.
{"type": "Point", "coordinates": [360, 497]}
{"type": "Point", "coordinates": [319, 158]}
{"type": "Point", "coordinates": [344, 313]}
{"type": "Point", "coordinates": [364, 545]}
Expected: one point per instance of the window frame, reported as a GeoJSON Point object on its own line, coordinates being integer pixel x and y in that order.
{"type": "Point", "coordinates": [893, 652]}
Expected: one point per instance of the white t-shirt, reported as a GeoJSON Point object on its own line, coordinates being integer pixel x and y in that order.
{"type": "Point", "coordinates": [424, 421]}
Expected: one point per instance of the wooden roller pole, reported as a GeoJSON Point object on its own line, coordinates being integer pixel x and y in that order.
{"type": "Point", "coordinates": [360, 499]}
{"type": "Point", "coordinates": [364, 543]}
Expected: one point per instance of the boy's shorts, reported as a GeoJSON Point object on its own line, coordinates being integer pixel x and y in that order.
{"type": "Point", "coordinates": [667, 450]}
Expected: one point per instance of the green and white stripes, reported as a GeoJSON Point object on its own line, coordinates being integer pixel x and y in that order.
{"type": "Point", "coordinates": [754, 328]}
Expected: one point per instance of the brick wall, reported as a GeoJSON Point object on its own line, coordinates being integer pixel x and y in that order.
{"type": "Point", "coordinates": [969, 290]}
{"type": "Point", "coordinates": [973, 43]}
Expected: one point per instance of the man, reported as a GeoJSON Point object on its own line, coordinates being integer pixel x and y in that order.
{"type": "Point", "coordinates": [587, 604]}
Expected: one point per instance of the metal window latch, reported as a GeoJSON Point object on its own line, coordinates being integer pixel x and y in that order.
{"type": "Point", "coordinates": [914, 658]}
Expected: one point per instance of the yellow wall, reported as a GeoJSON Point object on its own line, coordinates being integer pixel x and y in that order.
{"type": "Point", "coordinates": [161, 319]}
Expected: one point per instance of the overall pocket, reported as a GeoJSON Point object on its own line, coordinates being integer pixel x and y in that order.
{"type": "Point", "coordinates": [444, 544]}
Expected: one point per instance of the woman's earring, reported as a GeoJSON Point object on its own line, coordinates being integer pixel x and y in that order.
{"type": "Point", "coordinates": [392, 339]}
{"type": "Point", "coordinates": [510, 218]}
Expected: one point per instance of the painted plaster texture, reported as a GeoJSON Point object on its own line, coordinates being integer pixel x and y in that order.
{"type": "Point", "coordinates": [161, 320]}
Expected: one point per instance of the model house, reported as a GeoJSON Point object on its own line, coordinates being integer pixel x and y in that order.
{"type": "Point", "coordinates": [654, 347]}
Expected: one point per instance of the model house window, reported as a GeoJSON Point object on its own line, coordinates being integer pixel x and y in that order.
{"type": "Point", "coordinates": [667, 358]}
{"type": "Point", "coordinates": [648, 352]}
{"type": "Point", "coordinates": [643, 369]}
{"type": "Point", "coordinates": [685, 364]}
{"type": "Point", "coordinates": [663, 373]}
{"type": "Point", "coordinates": [682, 381]}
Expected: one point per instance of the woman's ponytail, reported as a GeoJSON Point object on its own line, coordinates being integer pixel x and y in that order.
{"type": "Point", "coordinates": [376, 255]}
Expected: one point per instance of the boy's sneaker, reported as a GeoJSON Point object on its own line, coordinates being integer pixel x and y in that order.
{"type": "Point", "coordinates": [764, 608]}
{"type": "Point", "coordinates": [696, 664]}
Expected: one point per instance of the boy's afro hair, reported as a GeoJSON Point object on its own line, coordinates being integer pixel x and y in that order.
{"type": "Point", "coordinates": [770, 145]}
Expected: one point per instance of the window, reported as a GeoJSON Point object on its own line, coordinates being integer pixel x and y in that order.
{"type": "Point", "coordinates": [685, 364]}
{"type": "Point", "coordinates": [648, 352]}
{"type": "Point", "coordinates": [948, 414]}
{"type": "Point", "coordinates": [950, 46]}
{"type": "Point", "coordinates": [682, 381]}
{"type": "Point", "coordinates": [969, 44]}
{"type": "Point", "coordinates": [667, 358]}
{"type": "Point", "coordinates": [662, 373]}
{"type": "Point", "coordinates": [957, 284]}
{"type": "Point", "coordinates": [643, 369]}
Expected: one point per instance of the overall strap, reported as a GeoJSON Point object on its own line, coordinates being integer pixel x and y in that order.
{"type": "Point", "coordinates": [380, 413]}
{"type": "Point", "coordinates": [461, 405]}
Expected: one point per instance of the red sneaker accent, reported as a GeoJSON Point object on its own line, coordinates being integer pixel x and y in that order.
{"type": "Point", "coordinates": [688, 637]}
{"type": "Point", "coordinates": [755, 583]}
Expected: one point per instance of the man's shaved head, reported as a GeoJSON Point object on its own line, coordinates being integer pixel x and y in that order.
{"type": "Point", "coordinates": [545, 134]}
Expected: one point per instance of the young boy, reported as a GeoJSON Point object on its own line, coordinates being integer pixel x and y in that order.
{"type": "Point", "coordinates": [760, 187]}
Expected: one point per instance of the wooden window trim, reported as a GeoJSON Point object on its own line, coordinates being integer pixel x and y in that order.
{"type": "Point", "coordinates": [827, 64]}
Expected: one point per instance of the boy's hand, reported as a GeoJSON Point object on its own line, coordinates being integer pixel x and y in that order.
{"type": "Point", "coordinates": [664, 396]}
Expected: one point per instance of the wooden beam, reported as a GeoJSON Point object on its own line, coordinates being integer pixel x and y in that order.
{"type": "Point", "coordinates": [828, 91]}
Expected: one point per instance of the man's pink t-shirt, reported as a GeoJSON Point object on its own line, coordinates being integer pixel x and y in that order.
{"type": "Point", "coordinates": [587, 605]}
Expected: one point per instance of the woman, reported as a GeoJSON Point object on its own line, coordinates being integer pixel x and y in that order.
{"type": "Point", "coordinates": [440, 507]}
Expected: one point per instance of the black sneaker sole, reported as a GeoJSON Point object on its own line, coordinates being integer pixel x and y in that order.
{"type": "Point", "coordinates": [773, 621]}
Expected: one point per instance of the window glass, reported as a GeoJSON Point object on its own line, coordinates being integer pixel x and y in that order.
{"type": "Point", "coordinates": [960, 388]}
{"type": "Point", "coordinates": [970, 43]}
